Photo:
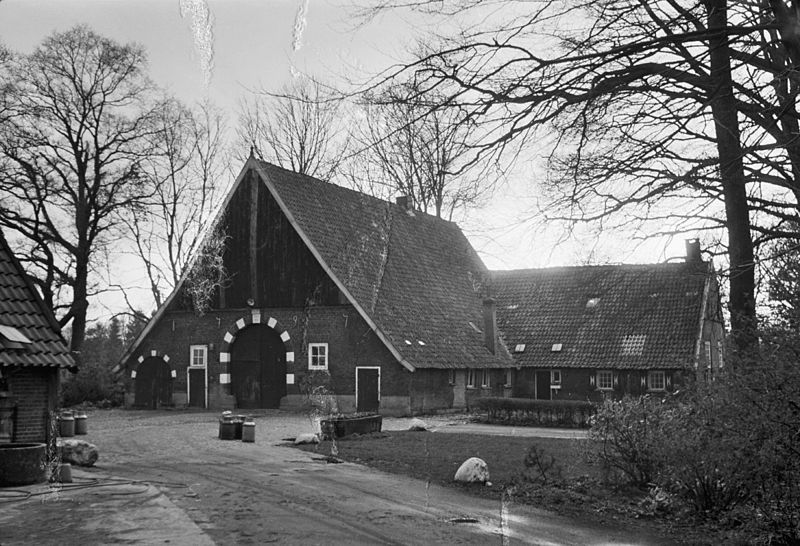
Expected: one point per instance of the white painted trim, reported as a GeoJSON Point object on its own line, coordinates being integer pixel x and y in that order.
{"type": "Point", "coordinates": [140, 359]}
{"type": "Point", "coordinates": [285, 336]}
{"type": "Point", "coordinates": [255, 316]}
{"type": "Point", "coordinates": [328, 270]}
{"type": "Point", "coordinates": [205, 355]}
{"type": "Point", "coordinates": [240, 323]}
{"type": "Point", "coordinates": [327, 357]}
{"type": "Point", "coordinates": [228, 337]}
{"type": "Point", "coordinates": [205, 386]}
{"type": "Point", "coordinates": [379, 382]}
{"type": "Point", "coordinates": [289, 356]}
{"type": "Point", "coordinates": [272, 322]}
{"type": "Point", "coordinates": [133, 374]}
{"type": "Point", "coordinates": [173, 374]}
{"type": "Point", "coordinates": [224, 378]}
{"type": "Point", "coordinates": [290, 379]}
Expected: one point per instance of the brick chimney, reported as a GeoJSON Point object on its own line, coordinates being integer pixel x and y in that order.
{"type": "Point", "coordinates": [693, 255]}
{"type": "Point", "coordinates": [403, 201]}
{"type": "Point", "coordinates": [489, 324]}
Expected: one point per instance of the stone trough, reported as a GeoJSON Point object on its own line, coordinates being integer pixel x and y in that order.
{"type": "Point", "coordinates": [22, 464]}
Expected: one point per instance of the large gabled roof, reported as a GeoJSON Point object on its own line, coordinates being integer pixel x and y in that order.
{"type": "Point", "coordinates": [29, 334]}
{"type": "Point", "coordinates": [414, 277]}
{"type": "Point", "coordinates": [642, 316]}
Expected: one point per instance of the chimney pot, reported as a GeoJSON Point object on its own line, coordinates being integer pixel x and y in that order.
{"type": "Point", "coordinates": [403, 201]}
{"type": "Point", "coordinates": [489, 324]}
{"type": "Point", "coordinates": [693, 255]}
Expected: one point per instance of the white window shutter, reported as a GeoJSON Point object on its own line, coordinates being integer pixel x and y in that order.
{"type": "Point", "coordinates": [592, 380]}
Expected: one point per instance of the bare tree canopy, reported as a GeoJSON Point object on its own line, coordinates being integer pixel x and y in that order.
{"type": "Point", "coordinates": [299, 128]}
{"type": "Point", "coordinates": [77, 125]}
{"type": "Point", "coordinates": [405, 144]}
{"type": "Point", "coordinates": [187, 172]}
{"type": "Point", "coordinates": [676, 116]}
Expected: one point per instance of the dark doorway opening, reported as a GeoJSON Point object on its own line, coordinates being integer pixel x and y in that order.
{"type": "Point", "coordinates": [197, 387]}
{"type": "Point", "coordinates": [543, 384]}
{"type": "Point", "coordinates": [368, 381]}
{"type": "Point", "coordinates": [258, 368]}
{"type": "Point", "coordinates": [153, 383]}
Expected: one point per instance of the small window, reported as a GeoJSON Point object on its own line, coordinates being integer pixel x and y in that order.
{"type": "Point", "coordinates": [451, 377]}
{"type": "Point", "coordinates": [656, 381]}
{"type": "Point", "coordinates": [486, 380]}
{"type": "Point", "coordinates": [470, 378]}
{"type": "Point", "coordinates": [707, 348]}
{"type": "Point", "coordinates": [605, 380]}
{"type": "Point", "coordinates": [519, 348]}
{"type": "Point", "coordinates": [317, 356]}
{"type": "Point", "coordinates": [198, 355]}
{"type": "Point", "coordinates": [720, 355]}
{"type": "Point", "coordinates": [556, 348]}
{"type": "Point", "coordinates": [633, 345]}
{"type": "Point", "coordinates": [509, 375]}
{"type": "Point", "coordinates": [555, 378]}
{"type": "Point", "coordinates": [591, 303]}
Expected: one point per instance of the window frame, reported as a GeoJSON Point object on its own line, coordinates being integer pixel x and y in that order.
{"type": "Point", "coordinates": [655, 373]}
{"type": "Point", "coordinates": [470, 378]}
{"type": "Point", "coordinates": [311, 355]}
{"type": "Point", "coordinates": [204, 349]}
{"type": "Point", "coordinates": [508, 379]}
{"type": "Point", "coordinates": [486, 378]}
{"type": "Point", "coordinates": [601, 373]}
{"type": "Point", "coordinates": [451, 376]}
{"type": "Point", "coordinates": [555, 384]}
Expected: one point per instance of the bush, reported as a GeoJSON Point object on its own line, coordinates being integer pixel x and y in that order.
{"type": "Point", "coordinates": [526, 411]}
{"type": "Point", "coordinates": [729, 449]}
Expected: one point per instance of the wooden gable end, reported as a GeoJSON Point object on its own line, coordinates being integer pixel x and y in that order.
{"type": "Point", "coordinates": [265, 259]}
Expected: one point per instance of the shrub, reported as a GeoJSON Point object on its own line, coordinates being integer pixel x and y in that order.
{"type": "Point", "coordinates": [628, 434]}
{"type": "Point", "coordinates": [526, 411]}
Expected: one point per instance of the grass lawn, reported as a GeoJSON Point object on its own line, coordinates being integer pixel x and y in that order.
{"type": "Point", "coordinates": [573, 486]}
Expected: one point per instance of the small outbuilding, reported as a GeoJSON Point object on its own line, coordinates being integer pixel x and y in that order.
{"type": "Point", "coordinates": [32, 353]}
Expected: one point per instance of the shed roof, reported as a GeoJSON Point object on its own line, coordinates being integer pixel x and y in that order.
{"type": "Point", "coordinates": [616, 316]}
{"type": "Point", "coordinates": [412, 275]}
{"type": "Point", "coordinates": [29, 334]}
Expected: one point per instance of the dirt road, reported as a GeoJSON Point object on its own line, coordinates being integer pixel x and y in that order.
{"type": "Point", "coordinates": [241, 493]}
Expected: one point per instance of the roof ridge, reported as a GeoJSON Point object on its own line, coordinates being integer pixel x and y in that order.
{"type": "Point", "coordinates": [594, 266]}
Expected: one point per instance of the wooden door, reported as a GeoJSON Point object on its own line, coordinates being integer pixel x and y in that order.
{"type": "Point", "coordinates": [153, 383]}
{"type": "Point", "coordinates": [197, 387]}
{"type": "Point", "coordinates": [543, 384]}
{"type": "Point", "coordinates": [258, 368]}
{"type": "Point", "coordinates": [368, 389]}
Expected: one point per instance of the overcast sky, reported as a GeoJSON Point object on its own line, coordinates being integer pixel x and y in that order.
{"type": "Point", "coordinates": [261, 43]}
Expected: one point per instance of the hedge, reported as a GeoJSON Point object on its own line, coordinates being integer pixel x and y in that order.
{"type": "Point", "coordinates": [526, 411]}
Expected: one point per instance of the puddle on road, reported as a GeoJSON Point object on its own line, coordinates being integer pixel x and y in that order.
{"type": "Point", "coordinates": [463, 520]}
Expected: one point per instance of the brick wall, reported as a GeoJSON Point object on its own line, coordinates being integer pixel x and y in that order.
{"type": "Point", "coordinates": [35, 390]}
{"type": "Point", "coordinates": [351, 343]}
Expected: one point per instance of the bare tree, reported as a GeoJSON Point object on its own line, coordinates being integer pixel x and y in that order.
{"type": "Point", "coordinates": [299, 128]}
{"type": "Point", "coordinates": [187, 173]}
{"type": "Point", "coordinates": [673, 116]}
{"type": "Point", "coordinates": [79, 115]}
{"type": "Point", "coordinates": [408, 145]}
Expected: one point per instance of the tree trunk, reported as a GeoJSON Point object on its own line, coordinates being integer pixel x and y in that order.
{"type": "Point", "coordinates": [740, 242]}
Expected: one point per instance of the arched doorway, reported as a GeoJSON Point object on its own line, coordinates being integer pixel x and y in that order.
{"type": "Point", "coordinates": [258, 368]}
{"type": "Point", "coordinates": [153, 383]}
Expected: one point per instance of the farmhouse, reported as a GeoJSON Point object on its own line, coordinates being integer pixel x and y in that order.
{"type": "Point", "coordinates": [332, 293]}
{"type": "Point", "coordinates": [32, 352]}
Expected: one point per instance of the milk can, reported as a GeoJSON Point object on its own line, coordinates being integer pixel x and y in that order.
{"type": "Point", "coordinates": [226, 427]}
{"type": "Point", "coordinates": [66, 424]}
{"type": "Point", "coordinates": [80, 423]}
{"type": "Point", "coordinates": [248, 430]}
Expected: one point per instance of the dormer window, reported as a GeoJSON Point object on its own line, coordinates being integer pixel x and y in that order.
{"type": "Point", "coordinates": [591, 303]}
{"type": "Point", "coordinates": [11, 338]}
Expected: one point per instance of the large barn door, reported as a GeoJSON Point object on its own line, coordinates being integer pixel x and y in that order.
{"type": "Point", "coordinates": [258, 368]}
{"type": "Point", "coordinates": [368, 389]}
{"type": "Point", "coordinates": [153, 383]}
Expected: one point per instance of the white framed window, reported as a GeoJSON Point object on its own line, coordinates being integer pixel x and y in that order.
{"type": "Point", "coordinates": [509, 378]}
{"type": "Point", "coordinates": [707, 348]}
{"type": "Point", "coordinates": [720, 355]}
{"type": "Point", "coordinates": [555, 379]}
{"type": "Point", "coordinates": [486, 379]}
{"type": "Point", "coordinates": [656, 380]}
{"type": "Point", "coordinates": [605, 380]}
{"type": "Point", "coordinates": [317, 356]}
{"type": "Point", "coordinates": [470, 378]}
{"type": "Point", "coordinates": [198, 356]}
{"type": "Point", "coordinates": [451, 377]}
